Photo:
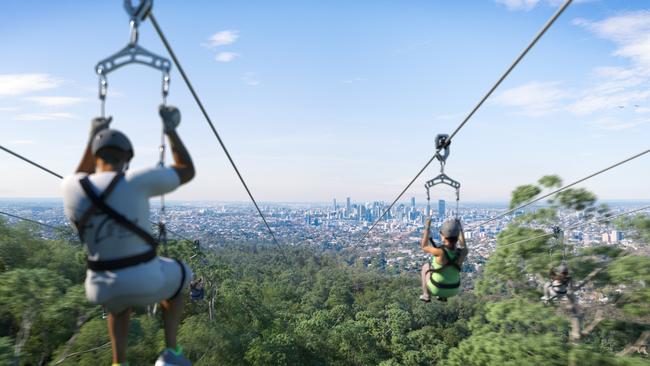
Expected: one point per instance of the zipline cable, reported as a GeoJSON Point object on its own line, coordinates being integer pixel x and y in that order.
{"type": "Point", "coordinates": [209, 121]}
{"type": "Point", "coordinates": [559, 190]}
{"type": "Point", "coordinates": [30, 162]}
{"type": "Point", "coordinates": [608, 218]}
{"type": "Point", "coordinates": [61, 177]}
{"type": "Point", "coordinates": [539, 35]}
{"type": "Point", "coordinates": [30, 220]}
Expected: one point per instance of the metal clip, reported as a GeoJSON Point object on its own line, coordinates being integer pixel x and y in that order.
{"type": "Point", "coordinates": [165, 86]}
{"type": "Point", "coordinates": [103, 90]}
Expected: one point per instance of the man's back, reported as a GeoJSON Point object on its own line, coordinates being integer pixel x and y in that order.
{"type": "Point", "coordinates": [105, 239]}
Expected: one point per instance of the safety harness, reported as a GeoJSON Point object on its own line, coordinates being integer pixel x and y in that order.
{"type": "Point", "coordinates": [451, 263]}
{"type": "Point", "coordinates": [99, 204]}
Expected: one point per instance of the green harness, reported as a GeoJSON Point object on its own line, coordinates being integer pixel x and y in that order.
{"type": "Point", "coordinates": [444, 280]}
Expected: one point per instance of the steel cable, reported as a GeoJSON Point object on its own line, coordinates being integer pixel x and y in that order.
{"type": "Point", "coordinates": [539, 35]}
{"type": "Point", "coordinates": [154, 22]}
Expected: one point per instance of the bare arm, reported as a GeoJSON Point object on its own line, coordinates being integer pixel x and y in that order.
{"type": "Point", "coordinates": [462, 244]}
{"type": "Point", "coordinates": [182, 161]}
{"type": "Point", "coordinates": [425, 241]}
{"type": "Point", "coordinates": [87, 163]}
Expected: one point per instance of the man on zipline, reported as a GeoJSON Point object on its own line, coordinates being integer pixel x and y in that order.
{"type": "Point", "coordinates": [110, 208]}
{"type": "Point", "coordinates": [441, 278]}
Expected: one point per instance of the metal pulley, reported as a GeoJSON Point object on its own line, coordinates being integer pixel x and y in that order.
{"type": "Point", "coordinates": [442, 153]}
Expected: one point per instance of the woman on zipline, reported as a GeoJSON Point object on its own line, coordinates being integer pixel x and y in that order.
{"type": "Point", "coordinates": [441, 277]}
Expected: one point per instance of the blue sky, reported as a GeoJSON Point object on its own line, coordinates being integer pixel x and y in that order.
{"type": "Point", "coordinates": [323, 99]}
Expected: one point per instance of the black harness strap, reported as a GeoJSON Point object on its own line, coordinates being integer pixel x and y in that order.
{"type": "Point", "coordinates": [444, 285]}
{"type": "Point", "coordinates": [180, 287]}
{"type": "Point", "coordinates": [128, 224]}
{"type": "Point", "coordinates": [449, 263]}
{"type": "Point", "coordinates": [81, 223]}
{"type": "Point", "coordinates": [99, 204]}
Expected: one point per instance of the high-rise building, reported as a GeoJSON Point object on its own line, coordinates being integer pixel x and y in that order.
{"type": "Point", "coordinates": [334, 203]}
{"type": "Point", "coordinates": [348, 207]}
{"type": "Point", "coordinates": [441, 209]}
{"type": "Point", "coordinates": [412, 201]}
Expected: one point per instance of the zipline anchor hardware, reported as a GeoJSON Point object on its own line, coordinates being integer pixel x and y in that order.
{"type": "Point", "coordinates": [133, 53]}
{"type": "Point", "coordinates": [442, 148]}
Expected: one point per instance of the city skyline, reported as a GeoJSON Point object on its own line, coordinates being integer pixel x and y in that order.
{"type": "Point", "coordinates": [346, 111]}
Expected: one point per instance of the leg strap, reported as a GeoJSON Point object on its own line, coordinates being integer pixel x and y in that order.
{"type": "Point", "coordinates": [180, 286]}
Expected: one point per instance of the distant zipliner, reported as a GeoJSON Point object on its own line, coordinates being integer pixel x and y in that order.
{"type": "Point", "coordinates": [560, 281]}
{"type": "Point", "coordinates": [441, 277]}
{"type": "Point", "coordinates": [197, 291]}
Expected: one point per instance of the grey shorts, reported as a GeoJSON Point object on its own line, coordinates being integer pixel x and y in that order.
{"type": "Point", "coordinates": [145, 284]}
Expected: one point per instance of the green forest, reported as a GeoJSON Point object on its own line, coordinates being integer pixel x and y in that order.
{"type": "Point", "coordinates": [309, 306]}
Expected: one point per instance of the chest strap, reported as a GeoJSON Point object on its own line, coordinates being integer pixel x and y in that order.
{"type": "Point", "coordinates": [100, 204]}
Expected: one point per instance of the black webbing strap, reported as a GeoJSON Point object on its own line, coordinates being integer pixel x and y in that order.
{"type": "Point", "coordinates": [128, 224]}
{"type": "Point", "coordinates": [180, 287]}
{"type": "Point", "coordinates": [115, 264]}
{"type": "Point", "coordinates": [81, 223]}
{"type": "Point", "coordinates": [449, 263]}
{"type": "Point", "coordinates": [445, 285]}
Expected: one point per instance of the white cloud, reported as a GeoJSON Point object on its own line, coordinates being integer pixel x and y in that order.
{"type": "Point", "coordinates": [527, 5]}
{"type": "Point", "coordinates": [250, 79]}
{"type": "Point", "coordinates": [353, 80]}
{"type": "Point", "coordinates": [53, 116]}
{"type": "Point", "coordinates": [226, 56]}
{"type": "Point", "coordinates": [8, 109]}
{"type": "Point", "coordinates": [595, 102]}
{"type": "Point", "coordinates": [534, 98]}
{"type": "Point", "coordinates": [615, 124]}
{"type": "Point", "coordinates": [612, 89]}
{"type": "Point", "coordinates": [629, 31]}
{"type": "Point", "coordinates": [55, 101]}
{"type": "Point", "coordinates": [22, 142]}
{"type": "Point", "coordinates": [222, 38]}
{"type": "Point", "coordinates": [518, 4]}
{"type": "Point", "coordinates": [19, 84]}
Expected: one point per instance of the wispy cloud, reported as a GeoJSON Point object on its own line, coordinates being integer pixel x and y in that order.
{"type": "Point", "coordinates": [612, 89]}
{"type": "Point", "coordinates": [51, 116]}
{"type": "Point", "coordinates": [527, 5]}
{"type": "Point", "coordinates": [629, 31]}
{"type": "Point", "coordinates": [616, 124]}
{"type": "Point", "coordinates": [226, 56]}
{"type": "Point", "coordinates": [250, 79]}
{"type": "Point", "coordinates": [8, 109]}
{"type": "Point", "coordinates": [19, 84]}
{"type": "Point", "coordinates": [55, 101]}
{"type": "Point", "coordinates": [222, 38]}
{"type": "Point", "coordinates": [534, 98]}
{"type": "Point", "coordinates": [353, 80]}
{"type": "Point", "coordinates": [518, 4]}
{"type": "Point", "coordinates": [22, 142]}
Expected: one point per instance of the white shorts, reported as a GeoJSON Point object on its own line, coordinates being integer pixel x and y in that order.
{"type": "Point", "coordinates": [145, 284]}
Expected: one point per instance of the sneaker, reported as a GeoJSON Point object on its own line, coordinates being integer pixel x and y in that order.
{"type": "Point", "coordinates": [169, 358]}
{"type": "Point", "coordinates": [425, 298]}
